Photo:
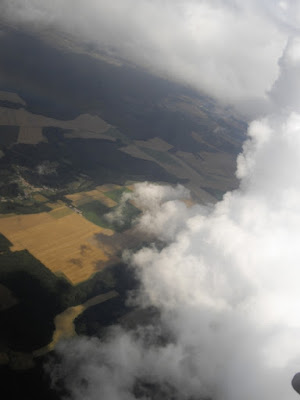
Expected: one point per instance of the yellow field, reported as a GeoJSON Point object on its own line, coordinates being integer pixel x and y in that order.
{"type": "Point", "coordinates": [96, 194]}
{"type": "Point", "coordinates": [60, 212]}
{"type": "Point", "coordinates": [64, 322]}
{"type": "Point", "coordinates": [63, 245]}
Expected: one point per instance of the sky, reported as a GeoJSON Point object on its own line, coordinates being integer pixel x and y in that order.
{"type": "Point", "coordinates": [227, 281]}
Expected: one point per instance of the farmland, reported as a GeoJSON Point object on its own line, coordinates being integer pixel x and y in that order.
{"type": "Point", "coordinates": [99, 193]}
{"type": "Point", "coordinates": [33, 296]}
{"type": "Point", "coordinates": [70, 226]}
{"type": "Point", "coordinates": [96, 204]}
{"type": "Point", "coordinates": [31, 125]}
{"type": "Point", "coordinates": [70, 235]}
{"type": "Point", "coordinates": [58, 258]}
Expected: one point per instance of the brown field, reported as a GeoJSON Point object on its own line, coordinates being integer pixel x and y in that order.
{"type": "Point", "coordinates": [88, 135]}
{"type": "Point", "coordinates": [134, 151]}
{"type": "Point", "coordinates": [7, 299]}
{"type": "Point", "coordinates": [31, 124]}
{"type": "Point", "coordinates": [63, 245]}
{"type": "Point", "coordinates": [155, 143]}
{"type": "Point", "coordinates": [31, 135]}
{"type": "Point", "coordinates": [96, 194]}
{"type": "Point", "coordinates": [12, 97]}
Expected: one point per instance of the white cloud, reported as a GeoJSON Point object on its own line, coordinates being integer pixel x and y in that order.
{"type": "Point", "coordinates": [160, 218]}
{"type": "Point", "coordinates": [228, 49]}
{"type": "Point", "coordinates": [162, 212]}
{"type": "Point", "coordinates": [230, 280]}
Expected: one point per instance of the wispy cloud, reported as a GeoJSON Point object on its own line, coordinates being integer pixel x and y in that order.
{"type": "Point", "coordinates": [228, 49]}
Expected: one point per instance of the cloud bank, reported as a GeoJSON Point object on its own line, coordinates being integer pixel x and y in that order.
{"type": "Point", "coordinates": [228, 49]}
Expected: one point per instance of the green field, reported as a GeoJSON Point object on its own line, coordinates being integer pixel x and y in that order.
{"type": "Point", "coordinates": [116, 194]}
{"type": "Point", "coordinates": [95, 211]}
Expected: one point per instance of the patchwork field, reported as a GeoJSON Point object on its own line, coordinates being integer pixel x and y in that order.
{"type": "Point", "coordinates": [63, 243]}
{"type": "Point", "coordinates": [97, 204]}
{"type": "Point", "coordinates": [31, 125]}
{"type": "Point", "coordinates": [60, 212]}
{"type": "Point", "coordinates": [96, 194]}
